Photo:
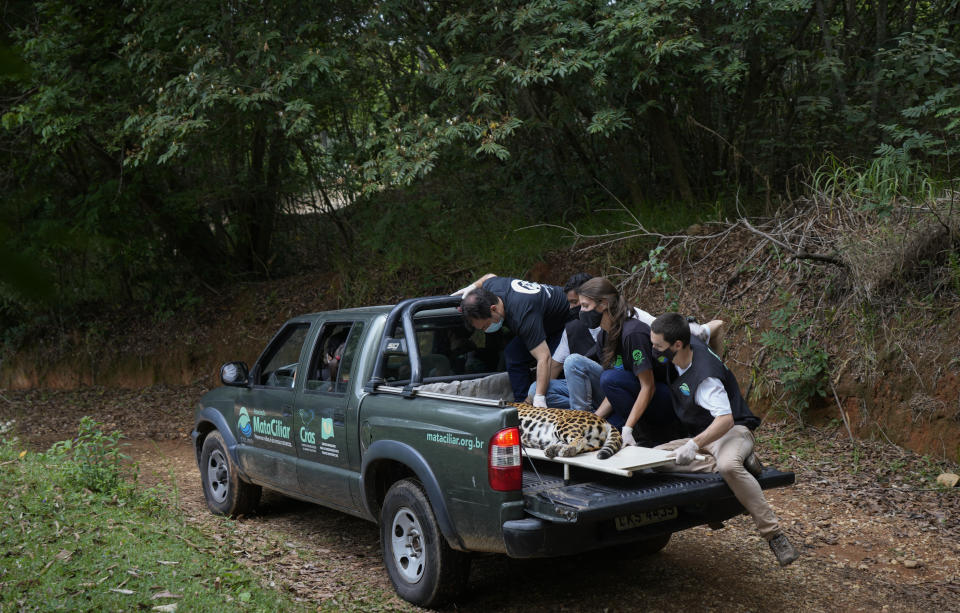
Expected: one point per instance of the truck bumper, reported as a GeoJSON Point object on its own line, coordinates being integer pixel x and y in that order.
{"type": "Point", "coordinates": [532, 537]}
{"type": "Point", "coordinates": [563, 520]}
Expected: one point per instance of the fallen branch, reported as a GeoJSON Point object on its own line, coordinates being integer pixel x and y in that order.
{"type": "Point", "coordinates": [843, 414]}
{"type": "Point", "coordinates": [797, 254]}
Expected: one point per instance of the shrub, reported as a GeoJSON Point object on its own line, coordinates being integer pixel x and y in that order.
{"type": "Point", "coordinates": [93, 460]}
{"type": "Point", "coordinates": [797, 360]}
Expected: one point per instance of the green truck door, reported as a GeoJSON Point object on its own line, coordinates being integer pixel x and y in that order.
{"type": "Point", "coordinates": [265, 423]}
{"type": "Point", "coordinates": [321, 415]}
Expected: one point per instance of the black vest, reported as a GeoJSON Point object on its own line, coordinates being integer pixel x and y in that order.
{"type": "Point", "coordinates": [695, 418]}
{"type": "Point", "coordinates": [580, 340]}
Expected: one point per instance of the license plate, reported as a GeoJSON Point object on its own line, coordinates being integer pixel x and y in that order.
{"type": "Point", "coordinates": [644, 518]}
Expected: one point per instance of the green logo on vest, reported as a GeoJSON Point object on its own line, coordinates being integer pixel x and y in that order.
{"type": "Point", "coordinates": [637, 356]}
{"type": "Point", "coordinates": [685, 389]}
{"type": "Point", "coordinates": [618, 363]}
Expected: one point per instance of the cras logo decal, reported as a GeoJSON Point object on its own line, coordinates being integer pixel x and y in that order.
{"type": "Point", "coordinates": [243, 422]}
{"type": "Point", "coordinates": [306, 417]}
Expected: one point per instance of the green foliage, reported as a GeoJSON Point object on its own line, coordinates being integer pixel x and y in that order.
{"type": "Point", "coordinates": [796, 358]}
{"type": "Point", "coordinates": [73, 548]}
{"type": "Point", "coordinates": [656, 266]}
{"type": "Point", "coordinates": [194, 139]}
{"type": "Point", "coordinates": [93, 460]}
{"type": "Point", "coordinates": [877, 185]}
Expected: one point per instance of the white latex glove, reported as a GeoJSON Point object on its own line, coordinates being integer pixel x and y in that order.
{"type": "Point", "coordinates": [463, 291]}
{"type": "Point", "coordinates": [539, 400]}
{"type": "Point", "coordinates": [627, 435]}
{"type": "Point", "coordinates": [687, 453]}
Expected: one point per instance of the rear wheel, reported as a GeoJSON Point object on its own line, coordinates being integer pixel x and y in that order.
{"type": "Point", "coordinates": [225, 492]}
{"type": "Point", "coordinates": [423, 568]}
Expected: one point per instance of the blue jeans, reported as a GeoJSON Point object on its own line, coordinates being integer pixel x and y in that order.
{"type": "Point", "coordinates": [558, 396]}
{"type": "Point", "coordinates": [659, 423]}
{"type": "Point", "coordinates": [518, 361]}
{"type": "Point", "coordinates": [583, 382]}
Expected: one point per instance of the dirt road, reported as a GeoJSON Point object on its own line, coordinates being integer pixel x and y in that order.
{"type": "Point", "coordinates": [872, 538]}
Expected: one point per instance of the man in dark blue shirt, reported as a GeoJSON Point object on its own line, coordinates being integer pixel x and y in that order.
{"type": "Point", "coordinates": [537, 315]}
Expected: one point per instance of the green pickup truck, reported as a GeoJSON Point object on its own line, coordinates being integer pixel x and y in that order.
{"type": "Point", "coordinates": [342, 409]}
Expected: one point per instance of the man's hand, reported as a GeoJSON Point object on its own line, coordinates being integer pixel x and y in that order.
{"type": "Point", "coordinates": [687, 453]}
{"type": "Point", "coordinates": [540, 401]}
{"type": "Point", "coordinates": [464, 290]}
{"type": "Point", "coordinates": [627, 435]}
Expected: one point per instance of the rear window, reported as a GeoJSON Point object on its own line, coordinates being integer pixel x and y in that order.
{"type": "Point", "coordinates": [447, 350]}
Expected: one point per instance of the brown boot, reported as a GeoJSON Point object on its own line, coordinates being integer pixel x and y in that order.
{"type": "Point", "coordinates": [782, 548]}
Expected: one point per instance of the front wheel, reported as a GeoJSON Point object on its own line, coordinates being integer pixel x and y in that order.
{"type": "Point", "coordinates": [225, 492]}
{"type": "Point", "coordinates": [423, 568]}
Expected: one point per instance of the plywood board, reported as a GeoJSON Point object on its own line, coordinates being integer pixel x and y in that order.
{"type": "Point", "coordinates": [624, 462]}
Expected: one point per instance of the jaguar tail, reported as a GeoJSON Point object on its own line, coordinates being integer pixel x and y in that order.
{"type": "Point", "coordinates": [612, 443]}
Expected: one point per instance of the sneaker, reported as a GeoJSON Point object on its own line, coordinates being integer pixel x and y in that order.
{"type": "Point", "coordinates": [782, 548]}
{"type": "Point", "coordinates": [753, 465]}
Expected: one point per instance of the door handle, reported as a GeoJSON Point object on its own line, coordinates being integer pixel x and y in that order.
{"type": "Point", "coordinates": [287, 410]}
{"type": "Point", "coordinates": [339, 417]}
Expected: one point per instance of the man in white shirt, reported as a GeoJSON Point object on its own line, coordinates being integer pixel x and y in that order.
{"type": "Point", "coordinates": [708, 402]}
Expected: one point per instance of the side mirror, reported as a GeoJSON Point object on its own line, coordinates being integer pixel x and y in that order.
{"type": "Point", "coordinates": [235, 374]}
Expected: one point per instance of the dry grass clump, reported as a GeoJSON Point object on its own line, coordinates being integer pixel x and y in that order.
{"type": "Point", "coordinates": [910, 246]}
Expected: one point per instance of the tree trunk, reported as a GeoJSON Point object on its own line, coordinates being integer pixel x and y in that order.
{"type": "Point", "coordinates": [661, 128]}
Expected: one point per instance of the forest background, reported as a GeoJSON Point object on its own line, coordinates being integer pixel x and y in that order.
{"type": "Point", "coordinates": [788, 164]}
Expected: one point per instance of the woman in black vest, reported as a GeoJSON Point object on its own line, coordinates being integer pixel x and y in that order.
{"type": "Point", "coordinates": [634, 385]}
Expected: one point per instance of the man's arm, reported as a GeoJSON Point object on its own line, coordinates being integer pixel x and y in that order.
{"type": "Point", "coordinates": [556, 369]}
{"type": "Point", "coordinates": [475, 285]}
{"type": "Point", "coordinates": [717, 428]}
{"type": "Point", "coordinates": [541, 353]}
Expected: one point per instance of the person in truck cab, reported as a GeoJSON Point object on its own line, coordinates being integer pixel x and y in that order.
{"type": "Point", "coordinates": [718, 422]}
{"type": "Point", "coordinates": [537, 315]}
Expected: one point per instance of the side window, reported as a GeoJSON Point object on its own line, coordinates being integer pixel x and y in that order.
{"type": "Point", "coordinates": [280, 365]}
{"type": "Point", "coordinates": [333, 357]}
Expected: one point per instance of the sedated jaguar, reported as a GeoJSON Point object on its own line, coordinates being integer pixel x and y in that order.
{"type": "Point", "coordinates": [566, 432]}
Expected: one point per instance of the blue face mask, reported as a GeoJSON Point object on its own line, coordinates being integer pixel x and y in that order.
{"type": "Point", "coordinates": [493, 327]}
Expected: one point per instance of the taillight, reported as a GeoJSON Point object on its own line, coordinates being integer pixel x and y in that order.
{"type": "Point", "coordinates": [506, 470]}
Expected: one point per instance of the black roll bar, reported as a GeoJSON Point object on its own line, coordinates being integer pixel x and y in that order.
{"type": "Point", "coordinates": [403, 313]}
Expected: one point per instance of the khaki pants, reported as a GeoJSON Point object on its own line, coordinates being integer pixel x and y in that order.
{"type": "Point", "coordinates": [726, 456]}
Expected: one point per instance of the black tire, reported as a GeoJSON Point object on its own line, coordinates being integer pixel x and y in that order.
{"type": "Point", "coordinates": [225, 492]}
{"type": "Point", "coordinates": [646, 547]}
{"type": "Point", "coordinates": [423, 568]}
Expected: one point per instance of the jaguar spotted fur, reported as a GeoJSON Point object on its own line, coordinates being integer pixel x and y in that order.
{"type": "Point", "coordinates": [565, 432]}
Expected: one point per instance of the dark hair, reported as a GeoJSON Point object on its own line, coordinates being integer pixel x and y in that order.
{"type": "Point", "coordinates": [597, 289]}
{"type": "Point", "coordinates": [335, 340]}
{"type": "Point", "coordinates": [476, 304]}
{"type": "Point", "coordinates": [574, 282]}
{"type": "Point", "coordinates": [672, 327]}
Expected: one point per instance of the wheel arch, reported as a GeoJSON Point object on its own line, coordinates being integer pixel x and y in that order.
{"type": "Point", "coordinates": [208, 420]}
{"type": "Point", "coordinates": [385, 463]}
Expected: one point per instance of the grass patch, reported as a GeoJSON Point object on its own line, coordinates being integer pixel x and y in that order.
{"type": "Point", "coordinates": [77, 538]}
